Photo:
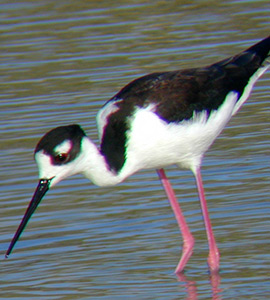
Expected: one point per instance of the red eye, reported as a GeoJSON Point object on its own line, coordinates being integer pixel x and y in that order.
{"type": "Point", "coordinates": [61, 157]}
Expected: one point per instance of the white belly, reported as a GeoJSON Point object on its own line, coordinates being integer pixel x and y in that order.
{"type": "Point", "coordinates": [153, 143]}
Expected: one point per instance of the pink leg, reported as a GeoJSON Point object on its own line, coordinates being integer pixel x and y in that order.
{"type": "Point", "coordinates": [213, 258]}
{"type": "Point", "coordinates": [188, 240]}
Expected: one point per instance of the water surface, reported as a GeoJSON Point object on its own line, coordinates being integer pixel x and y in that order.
{"type": "Point", "coordinates": [60, 61]}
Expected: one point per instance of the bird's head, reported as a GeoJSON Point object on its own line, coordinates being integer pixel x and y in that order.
{"type": "Point", "coordinates": [58, 155]}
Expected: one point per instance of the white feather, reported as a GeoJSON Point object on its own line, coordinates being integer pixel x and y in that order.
{"type": "Point", "coordinates": [154, 143]}
{"type": "Point", "coordinates": [64, 147]}
{"type": "Point", "coordinates": [103, 114]}
{"type": "Point", "coordinates": [249, 87]}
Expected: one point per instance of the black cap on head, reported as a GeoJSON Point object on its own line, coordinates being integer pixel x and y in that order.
{"type": "Point", "coordinates": [57, 136]}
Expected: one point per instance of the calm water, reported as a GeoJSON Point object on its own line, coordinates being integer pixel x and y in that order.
{"type": "Point", "coordinates": [60, 61]}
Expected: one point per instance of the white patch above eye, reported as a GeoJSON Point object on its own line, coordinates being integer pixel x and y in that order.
{"type": "Point", "coordinates": [64, 147]}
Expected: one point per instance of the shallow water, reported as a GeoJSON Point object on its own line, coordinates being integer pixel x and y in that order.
{"type": "Point", "coordinates": [60, 61]}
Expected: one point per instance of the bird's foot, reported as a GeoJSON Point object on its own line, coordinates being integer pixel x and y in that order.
{"type": "Point", "coordinates": [213, 261]}
{"type": "Point", "coordinates": [186, 254]}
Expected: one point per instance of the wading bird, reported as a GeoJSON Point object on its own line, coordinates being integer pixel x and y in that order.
{"type": "Point", "coordinates": [157, 120]}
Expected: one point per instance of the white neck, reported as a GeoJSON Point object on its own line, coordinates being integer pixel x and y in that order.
{"type": "Point", "coordinates": [95, 167]}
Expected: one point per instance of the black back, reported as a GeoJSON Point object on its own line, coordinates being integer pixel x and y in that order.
{"type": "Point", "coordinates": [178, 94]}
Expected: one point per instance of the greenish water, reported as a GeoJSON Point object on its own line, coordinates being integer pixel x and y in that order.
{"type": "Point", "coordinates": [59, 62]}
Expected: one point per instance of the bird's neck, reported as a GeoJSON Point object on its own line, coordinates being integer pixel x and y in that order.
{"type": "Point", "coordinates": [94, 166]}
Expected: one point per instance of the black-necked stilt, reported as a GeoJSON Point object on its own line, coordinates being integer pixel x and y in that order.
{"type": "Point", "coordinates": [155, 121]}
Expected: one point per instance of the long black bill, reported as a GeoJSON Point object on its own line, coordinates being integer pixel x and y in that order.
{"type": "Point", "coordinates": [41, 190]}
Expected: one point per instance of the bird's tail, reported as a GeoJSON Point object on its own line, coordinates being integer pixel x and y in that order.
{"type": "Point", "coordinates": [248, 61]}
{"type": "Point", "coordinates": [261, 49]}
{"type": "Point", "coordinates": [252, 62]}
